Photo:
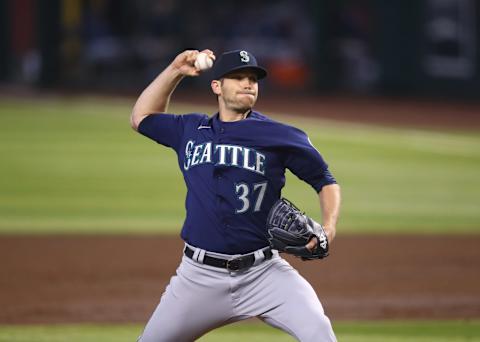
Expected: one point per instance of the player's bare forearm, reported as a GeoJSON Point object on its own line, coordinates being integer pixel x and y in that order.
{"type": "Point", "coordinates": [156, 97]}
{"type": "Point", "coordinates": [330, 199]}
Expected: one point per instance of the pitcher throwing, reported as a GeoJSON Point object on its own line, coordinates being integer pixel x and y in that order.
{"type": "Point", "coordinates": [234, 163]}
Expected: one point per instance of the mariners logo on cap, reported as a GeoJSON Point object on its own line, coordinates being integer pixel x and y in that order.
{"type": "Point", "coordinates": [236, 60]}
{"type": "Point", "coordinates": [244, 57]}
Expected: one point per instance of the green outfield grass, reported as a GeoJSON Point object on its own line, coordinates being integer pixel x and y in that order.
{"type": "Point", "coordinates": [74, 165]}
{"type": "Point", "coordinates": [382, 331]}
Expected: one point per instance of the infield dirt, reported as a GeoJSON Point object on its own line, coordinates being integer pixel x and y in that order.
{"type": "Point", "coordinates": [62, 279]}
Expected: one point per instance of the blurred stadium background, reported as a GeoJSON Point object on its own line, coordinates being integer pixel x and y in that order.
{"type": "Point", "coordinates": [90, 212]}
{"type": "Point", "coordinates": [427, 47]}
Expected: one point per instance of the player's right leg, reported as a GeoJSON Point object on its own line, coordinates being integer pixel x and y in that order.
{"type": "Point", "coordinates": [196, 301]}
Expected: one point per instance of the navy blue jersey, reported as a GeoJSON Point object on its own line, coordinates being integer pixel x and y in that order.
{"type": "Point", "coordinates": [234, 172]}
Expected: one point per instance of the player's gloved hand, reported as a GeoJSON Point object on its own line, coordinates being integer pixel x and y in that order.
{"type": "Point", "coordinates": [291, 230]}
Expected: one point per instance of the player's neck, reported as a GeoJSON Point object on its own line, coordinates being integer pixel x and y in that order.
{"type": "Point", "coordinates": [230, 116]}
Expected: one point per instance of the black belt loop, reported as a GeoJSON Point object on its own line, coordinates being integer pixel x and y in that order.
{"type": "Point", "coordinates": [235, 264]}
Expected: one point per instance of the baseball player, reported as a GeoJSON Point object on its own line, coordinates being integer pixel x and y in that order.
{"type": "Point", "coordinates": [233, 164]}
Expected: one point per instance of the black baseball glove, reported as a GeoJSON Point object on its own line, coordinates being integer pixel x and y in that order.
{"type": "Point", "coordinates": [290, 230]}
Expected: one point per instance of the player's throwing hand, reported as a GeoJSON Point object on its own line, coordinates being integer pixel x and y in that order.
{"type": "Point", "coordinates": [185, 62]}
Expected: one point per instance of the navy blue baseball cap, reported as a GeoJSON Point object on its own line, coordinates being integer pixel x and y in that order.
{"type": "Point", "coordinates": [235, 60]}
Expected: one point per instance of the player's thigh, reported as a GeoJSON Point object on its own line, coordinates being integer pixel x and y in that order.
{"type": "Point", "coordinates": [296, 308]}
{"type": "Point", "coordinates": [195, 301]}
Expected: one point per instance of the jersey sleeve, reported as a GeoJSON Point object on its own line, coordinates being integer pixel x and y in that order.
{"type": "Point", "coordinates": [304, 160]}
{"type": "Point", "coordinates": [165, 129]}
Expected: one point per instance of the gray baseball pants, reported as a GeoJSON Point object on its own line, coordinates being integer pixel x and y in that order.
{"type": "Point", "coordinates": [200, 298]}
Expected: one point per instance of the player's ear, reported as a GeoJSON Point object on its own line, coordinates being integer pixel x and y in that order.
{"type": "Point", "coordinates": [216, 87]}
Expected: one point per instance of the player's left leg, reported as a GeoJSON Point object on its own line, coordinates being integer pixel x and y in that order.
{"type": "Point", "coordinates": [281, 297]}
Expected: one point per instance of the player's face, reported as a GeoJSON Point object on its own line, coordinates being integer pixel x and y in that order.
{"type": "Point", "coordinates": [239, 90]}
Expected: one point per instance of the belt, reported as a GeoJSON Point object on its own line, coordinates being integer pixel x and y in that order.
{"type": "Point", "coordinates": [235, 264]}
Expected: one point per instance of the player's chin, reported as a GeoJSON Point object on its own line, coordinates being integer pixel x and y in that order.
{"type": "Point", "coordinates": [247, 102]}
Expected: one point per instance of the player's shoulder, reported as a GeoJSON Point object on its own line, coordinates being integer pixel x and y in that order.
{"type": "Point", "coordinates": [194, 116]}
{"type": "Point", "coordinates": [257, 116]}
{"type": "Point", "coordinates": [195, 119]}
{"type": "Point", "coordinates": [282, 127]}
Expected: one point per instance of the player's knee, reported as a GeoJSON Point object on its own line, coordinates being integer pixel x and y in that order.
{"type": "Point", "coordinates": [318, 331]}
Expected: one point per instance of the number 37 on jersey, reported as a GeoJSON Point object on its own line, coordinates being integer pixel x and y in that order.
{"type": "Point", "coordinates": [250, 196]}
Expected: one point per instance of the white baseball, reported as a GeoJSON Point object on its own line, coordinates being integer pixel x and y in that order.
{"type": "Point", "coordinates": [203, 61]}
